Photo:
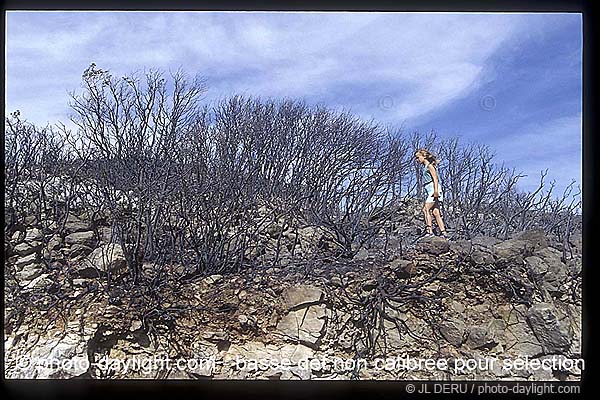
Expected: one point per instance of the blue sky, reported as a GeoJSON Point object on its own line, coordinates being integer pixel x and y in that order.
{"type": "Point", "coordinates": [512, 81]}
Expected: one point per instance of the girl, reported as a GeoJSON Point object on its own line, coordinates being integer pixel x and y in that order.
{"type": "Point", "coordinates": [434, 191]}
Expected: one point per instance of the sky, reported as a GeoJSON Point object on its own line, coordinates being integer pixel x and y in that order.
{"type": "Point", "coordinates": [512, 81]}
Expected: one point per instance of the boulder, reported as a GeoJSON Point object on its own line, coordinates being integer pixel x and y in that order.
{"type": "Point", "coordinates": [485, 241]}
{"type": "Point", "coordinates": [536, 266]}
{"type": "Point", "coordinates": [482, 256]}
{"type": "Point", "coordinates": [305, 325]}
{"type": "Point", "coordinates": [27, 248]}
{"type": "Point", "coordinates": [64, 356]}
{"type": "Point", "coordinates": [453, 330]}
{"type": "Point", "coordinates": [301, 296]}
{"type": "Point", "coordinates": [86, 238]}
{"type": "Point", "coordinates": [75, 224]}
{"type": "Point", "coordinates": [433, 245]}
{"type": "Point", "coordinates": [461, 247]}
{"type": "Point", "coordinates": [520, 341]}
{"type": "Point", "coordinates": [403, 268]}
{"type": "Point", "coordinates": [79, 250]}
{"type": "Point", "coordinates": [479, 336]}
{"type": "Point", "coordinates": [54, 243]}
{"type": "Point", "coordinates": [535, 237]}
{"type": "Point", "coordinates": [22, 262]}
{"type": "Point", "coordinates": [33, 235]}
{"type": "Point", "coordinates": [209, 280]}
{"type": "Point", "coordinates": [554, 334]}
{"type": "Point", "coordinates": [106, 258]}
{"type": "Point", "coordinates": [512, 251]}
{"type": "Point", "coordinates": [557, 272]}
{"type": "Point", "coordinates": [29, 272]}
{"type": "Point", "coordinates": [40, 281]}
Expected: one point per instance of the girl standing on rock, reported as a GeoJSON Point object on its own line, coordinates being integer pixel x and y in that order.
{"type": "Point", "coordinates": [434, 191]}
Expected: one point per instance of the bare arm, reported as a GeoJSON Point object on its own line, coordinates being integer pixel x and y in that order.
{"type": "Point", "coordinates": [433, 172]}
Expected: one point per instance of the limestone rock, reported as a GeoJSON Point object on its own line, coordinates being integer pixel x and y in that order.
{"type": "Point", "coordinates": [79, 250]}
{"type": "Point", "coordinates": [33, 235]}
{"type": "Point", "coordinates": [107, 258]}
{"type": "Point", "coordinates": [557, 271]}
{"type": "Point", "coordinates": [75, 224]}
{"type": "Point", "coordinates": [30, 272]}
{"type": "Point", "coordinates": [22, 262]}
{"type": "Point", "coordinates": [461, 247]}
{"type": "Point", "coordinates": [27, 248]}
{"type": "Point", "coordinates": [87, 238]}
{"type": "Point", "coordinates": [512, 251]}
{"type": "Point", "coordinates": [485, 241]}
{"type": "Point", "coordinates": [305, 325]}
{"type": "Point", "coordinates": [209, 280]}
{"type": "Point", "coordinates": [301, 296]}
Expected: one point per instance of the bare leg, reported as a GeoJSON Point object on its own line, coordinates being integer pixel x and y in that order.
{"type": "Point", "coordinates": [438, 217]}
{"type": "Point", "coordinates": [428, 220]}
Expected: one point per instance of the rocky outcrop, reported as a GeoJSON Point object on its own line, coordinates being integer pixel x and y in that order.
{"type": "Point", "coordinates": [471, 299]}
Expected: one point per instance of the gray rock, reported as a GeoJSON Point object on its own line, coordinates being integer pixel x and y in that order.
{"type": "Point", "coordinates": [557, 272]}
{"type": "Point", "coordinates": [87, 238]}
{"type": "Point", "coordinates": [40, 281]}
{"type": "Point", "coordinates": [554, 335]}
{"type": "Point", "coordinates": [461, 247]}
{"type": "Point", "coordinates": [482, 256]}
{"type": "Point", "coordinates": [212, 279]}
{"type": "Point", "coordinates": [536, 238]}
{"type": "Point", "coordinates": [33, 235]}
{"type": "Point", "coordinates": [433, 245]}
{"type": "Point", "coordinates": [512, 251]}
{"type": "Point", "coordinates": [305, 325]}
{"type": "Point", "coordinates": [362, 254]}
{"type": "Point", "coordinates": [27, 248]}
{"type": "Point", "coordinates": [56, 358]}
{"type": "Point", "coordinates": [337, 281]}
{"type": "Point", "coordinates": [301, 296]}
{"type": "Point", "coordinates": [484, 241]}
{"type": "Point", "coordinates": [75, 224]}
{"type": "Point", "coordinates": [403, 268]}
{"type": "Point", "coordinates": [79, 250]}
{"type": "Point", "coordinates": [30, 272]}
{"type": "Point", "coordinates": [17, 237]}
{"type": "Point", "coordinates": [479, 336]}
{"type": "Point", "coordinates": [106, 258]}
{"type": "Point", "coordinates": [524, 347]}
{"type": "Point", "coordinates": [22, 262]}
{"type": "Point", "coordinates": [536, 266]}
{"type": "Point", "coordinates": [456, 307]}
{"type": "Point", "coordinates": [54, 243]}
{"type": "Point", "coordinates": [453, 330]}
{"type": "Point", "coordinates": [80, 282]}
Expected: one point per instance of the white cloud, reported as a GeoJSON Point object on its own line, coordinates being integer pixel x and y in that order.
{"type": "Point", "coordinates": [423, 61]}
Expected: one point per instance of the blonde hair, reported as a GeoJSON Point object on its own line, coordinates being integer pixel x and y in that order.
{"type": "Point", "coordinates": [428, 156]}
